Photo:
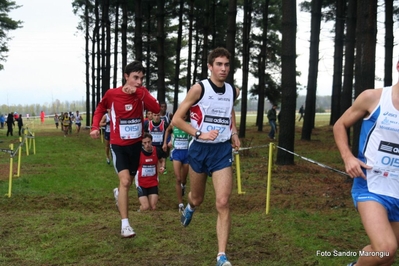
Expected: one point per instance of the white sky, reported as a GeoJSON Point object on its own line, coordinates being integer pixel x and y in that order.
{"type": "Point", "coordinates": [46, 57]}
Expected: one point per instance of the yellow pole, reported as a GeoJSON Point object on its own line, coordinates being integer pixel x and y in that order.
{"type": "Point", "coordinates": [238, 169]}
{"type": "Point", "coordinates": [11, 171]}
{"type": "Point", "coordinates": [269, 176]}
{"type": "Point", "coordinates": [26, 141]}
{"type": "Point", "coordinates": [34, 143]}
{"type": "Point", "coordinates": [30, 141]}
{"type": "Point", "coordinates": [19, 158]}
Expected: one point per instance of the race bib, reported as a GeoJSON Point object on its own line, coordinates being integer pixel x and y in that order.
{"type": "Point", "coordinates": [130, 128]}
{"type": "Point", "coordinates": [148, 170]}
{"type": "Point", "coordinates": [180, 144]}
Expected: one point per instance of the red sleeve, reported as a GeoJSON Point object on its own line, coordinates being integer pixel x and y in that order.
{"type": "Point", "coordinates": [99, 112]}
{"type": "Point", "coordinates": [150, 103]}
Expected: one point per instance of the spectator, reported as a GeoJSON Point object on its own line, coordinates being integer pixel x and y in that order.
{"type": "Point", "coordinates": [301, 113]}
{"type": "Point", "coordinates": [2, 120]}
{"type": "Point", "coordinates": [20, 124]}
{"type": "Point", "coordinates": [10, 124]}
{"type": "Point", "coordinates": [56, 120]}
{"type": "Point", "coordinates": [272, 116]}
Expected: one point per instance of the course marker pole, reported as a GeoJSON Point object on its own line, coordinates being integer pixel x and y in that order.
{"type": "Point", "coordinates": [19, 158]}
{"type": "Point", "coordinates": [34, 143]}
{"type": "Point", "coordinates": [269, 176]}
{"type": "Point", "coordinates": [11, 172]}
{"type": "Point", "coordinates": [238, 169]}
{"type": "Point", "coordinates": [26, 142]}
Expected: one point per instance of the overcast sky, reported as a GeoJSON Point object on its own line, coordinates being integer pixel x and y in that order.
{"type": "Point", "coordinates": [46, 57]}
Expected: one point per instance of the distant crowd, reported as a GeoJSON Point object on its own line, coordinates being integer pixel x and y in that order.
{"type": "Point", "coordinates": [10, 120]}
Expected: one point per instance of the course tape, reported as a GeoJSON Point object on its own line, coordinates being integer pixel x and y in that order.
{"type": "Point", "coordinates": [14, 152]}
{"type": "Point", "coordinates": [300, 156]}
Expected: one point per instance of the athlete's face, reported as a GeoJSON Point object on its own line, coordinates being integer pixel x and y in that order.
{"type": "Point", "coordinates": [163, 108]}
{"type": "Point", "coordinates": [149, 115]}
{"type": "Point", "coordinates": [156, 117]}
{"type": "Point", "coordinates": [220, 68]}
{"type": "Point", "coordinates": [134, 79]}
{"type": "Point", "coordinates": [147, 144]}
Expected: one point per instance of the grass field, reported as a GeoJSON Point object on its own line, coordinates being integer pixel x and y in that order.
{"type": "Point", "coordinates": [62, 210]}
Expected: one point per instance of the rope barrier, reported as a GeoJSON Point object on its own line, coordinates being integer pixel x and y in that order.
{"type": "Point", "coordinates": [313, 161]}
{"type": "Point", "coordinates": [300, 156]}
{"type": "Point", "coordinates": [27, 135]}
{"type": "Point", "coordinates": [272, 146]}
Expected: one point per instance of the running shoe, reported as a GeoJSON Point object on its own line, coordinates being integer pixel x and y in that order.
{"type": "Point", "coordinates": [181, 208]}
{"type": "Point", "coordinates": [186, 216]}
{"type": "Point", "coordinates": [223, 261]}
{"type": "Point", "coordinates": [116, 193]}
{"type": "Point", "coordinates": [127, 232]}
{"type": "Point", "coordinates": [108, 161]}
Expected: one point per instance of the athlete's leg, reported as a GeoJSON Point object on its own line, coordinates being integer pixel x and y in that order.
{"type": "Point", "coordinates": [380, 232]}
{"type": "Point", "coordinates": [153, 200]}
{"type": "Point", "coordinates": [177, 170]}
{"type": "Point", "coordinates": [197, 188]}
{"type": "Point", "coordinates": [223, 184]}
{"type": "Point", "coordinates": [144, 203]}
{"type": "Point", "coordinates": [125, 181]}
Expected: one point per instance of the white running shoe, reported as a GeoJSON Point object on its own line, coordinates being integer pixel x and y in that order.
{"type": "Point", "coordinates": [181, 208]}
{"type": "Point", "coordinates": [116, 193]}
{"type": "Point", "coordinates": [127, 232]}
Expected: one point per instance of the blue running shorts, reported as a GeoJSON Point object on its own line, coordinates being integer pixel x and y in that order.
{"type": "Point", "coordinates": [180, 155]}
{"type": "Point", "coordinates": [209, 157]}
{"type": "Point", "coordinates": [389, 203]}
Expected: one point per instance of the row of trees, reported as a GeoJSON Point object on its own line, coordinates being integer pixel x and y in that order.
{"type": "Point", "coordinates": [174, 37]}
{"type": "Point", "coordinates": [56, 107]}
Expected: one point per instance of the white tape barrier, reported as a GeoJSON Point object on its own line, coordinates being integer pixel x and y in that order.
{"type": "Point", "coordinates": [300, 156]}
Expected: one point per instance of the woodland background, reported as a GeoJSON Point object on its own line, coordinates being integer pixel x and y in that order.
{"type": "Point", "coordinates": [172, 39]}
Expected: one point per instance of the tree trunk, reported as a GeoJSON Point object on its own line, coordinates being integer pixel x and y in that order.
{"type": "Point", "coordinates": [177, 63]}
{"type": "Point", "coordinates": [245, 65]}
{"type": "Point", "coordinates": [366, 39]}
{"type": "Point", "coordinates": [231, 38]}
{"type": "Point", "coordinates": [124, 38]}
{"type": "Point", "coordinates": [350, 41]}
{"type": "Point", "coordinates": [310, 105]}
{"type": "Point", "coordinates": [262, 68]}
{"type": "Point", "coordinates": [388, 42]}
{"type": "Point", "coordinates": [106, 48]}
{"type": "Point", "coordinates": [338, 61]}
{"type": "Point", "coordinates": [205, 47]}
{"type": "Point", "coordinates": [161, 88]}
{"type": "Point", "coordinates": [138, 32]}
{"type": "Point", "coordinates": [116, 41]}
{"type": "Point", "coordinates": [288, 79]}
{"type": "Point", "coordinates": [87, 61]}
{"type": "Point", "coordinates": [98, 55]}
{"type": "Point", "coordinates": [190, 44]}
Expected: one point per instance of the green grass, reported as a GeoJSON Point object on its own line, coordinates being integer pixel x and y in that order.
{"type": "Point", "coordinates": [62, 210]}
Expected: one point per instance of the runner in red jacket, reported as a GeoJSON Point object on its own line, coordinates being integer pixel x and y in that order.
{"type": "Point", "coordinates": [127, 104]}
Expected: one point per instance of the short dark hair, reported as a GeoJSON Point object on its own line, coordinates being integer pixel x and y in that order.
{"type": "Point", "coordinates": [135, 66]}
{"type": "Point", "coordinates": [147, 135]}
{"type": "Point", "coordinates": [218, 52]}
